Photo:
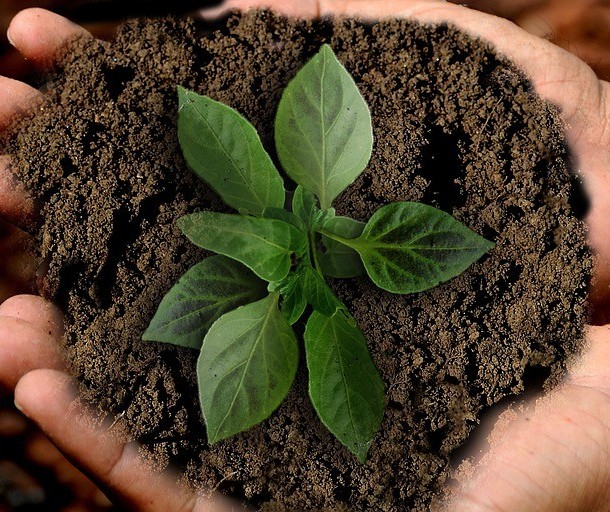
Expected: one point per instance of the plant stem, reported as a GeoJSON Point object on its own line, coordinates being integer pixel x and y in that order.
{"type": "Point", "coordinates": [336, 238]}
{"type": "Point", "coordinates": [313, 251]}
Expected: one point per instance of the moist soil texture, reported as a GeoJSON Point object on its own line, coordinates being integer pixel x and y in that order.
{"type": "Point", "coordinates": [456, 126]}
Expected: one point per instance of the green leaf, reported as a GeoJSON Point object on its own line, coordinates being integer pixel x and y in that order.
{"type": "Point", "coordinates": [293, 300]}
{"type": "Point", "coordinates": [323, 130]}
{"type": "Point", "coordinates": [265, 246]}
{"type": "Point", "coordinates": [284, 216]}
{"type": "Point", "coordinates": [339, 260]}
{"type": "Point", "coordinates": [201, 296]}
{"type": "Point", "coordinates": [225, 151]}
{"type": "Point", "coordinates": [246, 366]}
{"type": "Point", "coordinates": [344, 385]}
{"type": "Point", "coordinates": [293, 305]}
{"type": "Point", "coordinates": [304, 205]}
{"type": "Point", "coordinates": [306, 286]}
{"type": "Point", "coordinates": [318, 294]}
{"type": "Point", "coordinates": [410, 247]}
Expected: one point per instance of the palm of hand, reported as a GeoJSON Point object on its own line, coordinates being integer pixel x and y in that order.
{"type": "Point", "coordinates": [552, 456]}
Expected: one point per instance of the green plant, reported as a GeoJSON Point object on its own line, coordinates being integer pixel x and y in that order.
{"type": "Point", "coordinates": [238, 307]}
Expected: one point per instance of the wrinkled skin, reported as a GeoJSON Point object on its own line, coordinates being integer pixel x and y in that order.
{"type": "Point", "coordinates": [553, 455]}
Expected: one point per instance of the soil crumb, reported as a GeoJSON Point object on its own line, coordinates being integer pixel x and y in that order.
{"type": "Point", "coordinates": [456, 126]}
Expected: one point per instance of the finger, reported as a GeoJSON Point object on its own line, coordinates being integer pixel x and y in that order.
{"type": "Point", "coordinates": [19, 261]}
{"type": "Point", "coordinates": [16, 204]}
{"type": "Point", "coordinates": [16, 98]}
{"type": "Point", "coordinates": [39, 34]}
{"type": "Point", "coordinates": [301, 9]}
{"type": "Point", "coordinates": [36, 311]}
{"type": "Point", "coordinates": [592, 369]}
{"type": "Point", "coordinates": [553, 452]}
{"type": "Point", "coordinates": [47, 398]}
{"type": "Point", "coordinates": [505, 8]}
{"type": "Point", "coordinates": [551, 457]}
{"type": "Point", "coordinates": [29, 329]}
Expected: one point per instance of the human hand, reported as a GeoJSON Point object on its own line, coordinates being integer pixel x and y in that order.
{"type": "Point", "coordinates": [540, 442]}
{"type": "Point", "coordinates": [30, 327]}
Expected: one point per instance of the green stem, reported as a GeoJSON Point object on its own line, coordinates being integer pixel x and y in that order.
{"type": "Point", "coordinates": [345, 241]}
{"type": "Point", "coordinates": [314, 252]}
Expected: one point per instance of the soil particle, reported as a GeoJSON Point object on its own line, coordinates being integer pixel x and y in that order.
{"type": "Point", "coordinates": [456, 126]}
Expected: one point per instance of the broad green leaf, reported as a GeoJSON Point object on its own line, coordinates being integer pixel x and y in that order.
{"type": "Point", "coordinates": [265, 246]}
{"type": "Point", "coordinates": [323, 130]}
{"type": "Point", "coordinates": [317, 293]}
{"type": "Point", "coordinates": [246, 366]}
{"type": "Point", "coordinates": [284, 216]}
{"type": "Point", "coordinates": [339, 260]}
{"type": "Point", "coordinates": [344, 385]}
{"type": "Point", "coordinates": [225, 151]}
{"type": "Point", "coordinates": [201, 296]}
{"type": "Point", "coordinates": [410, 247]}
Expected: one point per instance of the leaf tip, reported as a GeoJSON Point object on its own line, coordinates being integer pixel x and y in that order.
{"type": "Point", "coordinates": [327, 48]}
{"type": "Point", "coordinates": [147, 335]}
{"type": "Point", "coordinates": [182, 95]}
{"type": "Point", "coordinates": [362, 455]}
{"type": "Point", "coordinates": [183, 223]}
{"type": "Point", "coordinates": [212, 439]}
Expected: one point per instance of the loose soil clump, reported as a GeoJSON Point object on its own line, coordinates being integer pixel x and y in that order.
{"type": "Point", "coordinates": [456, 126]}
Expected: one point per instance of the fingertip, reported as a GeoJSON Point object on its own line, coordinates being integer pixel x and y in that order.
{"type": "Point", "coordinates": [20, 261]}
{"type": "Point", "coordinates": [302, 9]}
{"type": "Point", "coordinates": [16, 99]}
{"type": "Point", "coordinates": [35, 310]}
{"type": "Point", "coordinates": [25, 347]}
{"type": "Point", "coordinates": [41, 393]}
{"type": "Point", "coordinates": [16, 203]}
{"type": "Point", "coordinates": [39, 34]}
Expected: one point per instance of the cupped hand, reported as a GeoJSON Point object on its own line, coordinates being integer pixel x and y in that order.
{"type": "Point", "coordinates": [551, 456]}
{"type": "Point", "coordinates": [31, 364]}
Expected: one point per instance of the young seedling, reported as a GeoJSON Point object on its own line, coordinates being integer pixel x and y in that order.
{"type": "Point", "coordinates": [238, 307]}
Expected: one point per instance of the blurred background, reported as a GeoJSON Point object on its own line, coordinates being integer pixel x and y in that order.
{"type": "Point", "coordinates": [33, 474]}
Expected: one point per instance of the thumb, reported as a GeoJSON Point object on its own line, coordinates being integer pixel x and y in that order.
{"type": "Point", "coordinates": [48, 398]}
{"type": "Point", "coordinates": [552, 454]}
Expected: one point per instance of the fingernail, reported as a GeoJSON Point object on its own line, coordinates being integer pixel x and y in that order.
{"type": "Point", "coordinates": [8, 36]}
{"type": "Point", "coordinates": [19, 408]}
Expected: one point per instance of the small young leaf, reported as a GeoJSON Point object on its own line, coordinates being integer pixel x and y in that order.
{"type": "Point", "coordinates": [411, 247]}
{"type": "Point", "coordinates": [317, 293]}
{"type": "Point", "coordinates": [284, 216]}
{"type": "Point", "coordinates": [304, 205]}
{"type": "Point", "coordinates": [293, 305]}
{"type": "Point", "coordinates": [263, 245]}
{"type": "Point", "coordinates": [246, 366]}
{"type": "Point", "coordinates": [344, 385]}
{"type": "Point", "coordinates": [225, 151]}
{"type": "Point", "coordinates": [339, 260]}
{"type": "Point", "coordinates": [293, 300]}
{"type": "Point", "coordinates": [323, 131]}
{"type": "Point", "coordinates": [305, 286]}
{"type": "Point", "coordinates": [201, 296]}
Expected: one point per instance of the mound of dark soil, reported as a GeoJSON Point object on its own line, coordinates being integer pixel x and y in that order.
{"type": "Point", "coordinates": [456, 126]}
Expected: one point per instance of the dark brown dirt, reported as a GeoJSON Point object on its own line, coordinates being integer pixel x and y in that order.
{"type": "Point", "coordinates": [456, 126]}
